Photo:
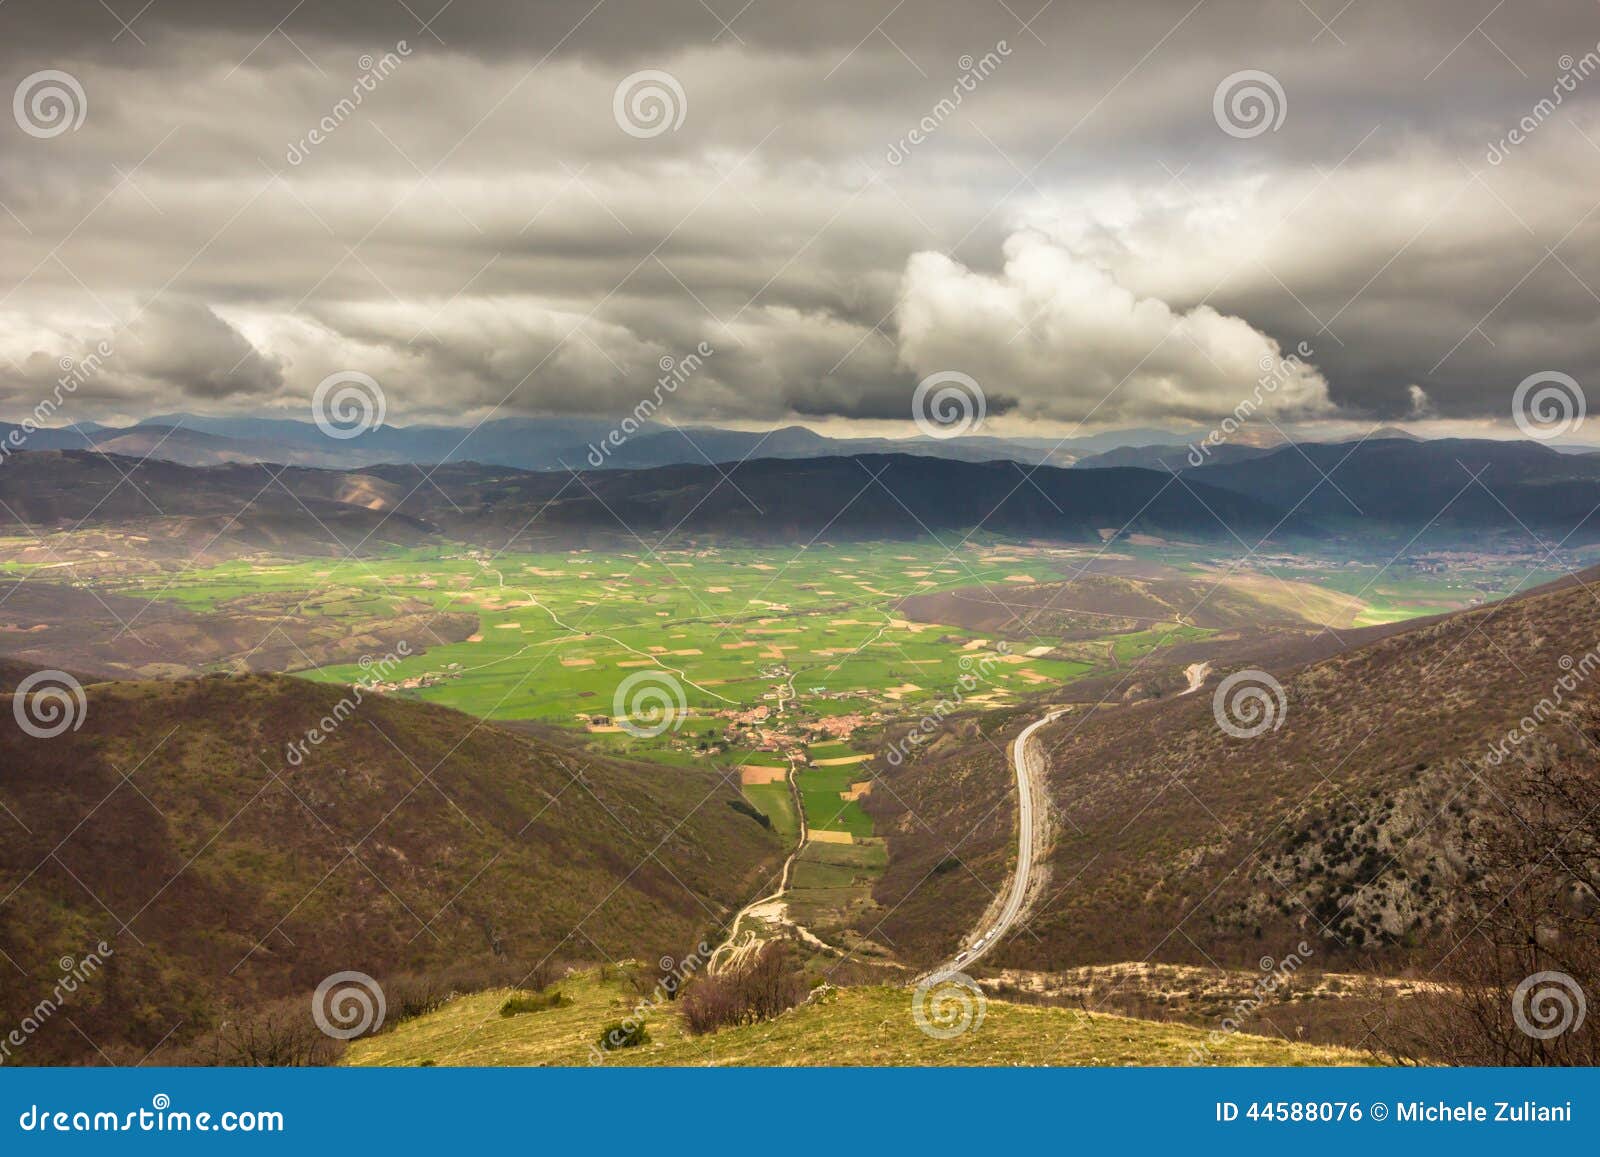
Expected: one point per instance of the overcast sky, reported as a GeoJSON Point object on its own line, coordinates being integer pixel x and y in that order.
{"type": "Point", "coordinates": [509, 220]}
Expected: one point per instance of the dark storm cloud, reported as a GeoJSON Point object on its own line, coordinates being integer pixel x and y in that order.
{"type": "Point", "coordinates": [1037, 194]}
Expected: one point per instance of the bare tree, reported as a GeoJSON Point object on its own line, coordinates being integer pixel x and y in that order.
{"type": "Point", "coordinates": [763, 986]}
{"type": "Point", "coordinates": [1515, 987]}
{"type": "Point", "coordinates": [282, 1035]}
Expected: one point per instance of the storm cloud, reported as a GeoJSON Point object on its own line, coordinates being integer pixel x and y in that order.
{"type": "Point", "coordinates": [498, 208]}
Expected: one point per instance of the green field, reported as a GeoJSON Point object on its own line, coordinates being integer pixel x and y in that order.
{"type": "Point", "coordinates": [745, 658]}
{"type": "Point", "coordinates": [559, 632]}
{"type": "Point", "coordinates": [838, 749]}
{"type": "Point", "coordinates": [839, 865]}
{"type": "Point", "coordinates": [1137, 644]}
{"type": "Point", "coordinates": [820, 789]}
{"type": "Point", "coordinates": [774, 799]}
{"type": "Point", "coordinates": [577, 638]}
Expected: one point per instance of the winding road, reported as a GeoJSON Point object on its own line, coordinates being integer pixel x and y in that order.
{"type": "Point", "coordinates": [733, 950]}
{"type": "Point", "coordinates": [1028, 761]}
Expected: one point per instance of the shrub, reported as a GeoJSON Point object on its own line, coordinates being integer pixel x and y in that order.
{"type": "Point", "coordinates": [410, 996]}
{"type": "Point", "coordinates": [764, 986]}
{"type": "Point", "coordinates": [533, 1002]}
{"type": "Point", "coordinates": [622, 1034]}
{"type": "Point", "coordinates": [278, 1035]}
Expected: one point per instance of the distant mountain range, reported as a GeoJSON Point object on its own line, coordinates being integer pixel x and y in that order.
{"type": "Point", "coordinates": [1452, 481]}
{"type": "Point", "coordinates": [1170, 455]}
{"type": "Point", "coordinates": [1393, 478]}
{"type": "Point", "coordinates": [527, 443]}
{"type": "Point", "coordinates": [245, 507]}
{"type": "Point", "coordinates": [559, 444]}
{"type": "Point", "coordinates": [1454, 490]}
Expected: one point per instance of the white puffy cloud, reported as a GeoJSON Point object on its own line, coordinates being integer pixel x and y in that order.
{"type": "Point", "coordinates": [1059, 334]}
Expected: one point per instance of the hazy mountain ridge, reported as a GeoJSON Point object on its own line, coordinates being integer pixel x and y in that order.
{"type": "Point", "coordinates": [240, 507]}
{"type": "Point", "coordinates": [523, 443]}
{"type": "Point", "coordinates": [1452, 489]}
{"type": "Point", "coordinates": [1469, 482]}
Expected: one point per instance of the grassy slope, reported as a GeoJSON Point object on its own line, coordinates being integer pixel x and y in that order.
{"type": "Point", "coordinates": [855, 1026]}
{"type": "Point", "coordinates": [14, 671]}
{"type": "Point", "coordinates": [243, 877]}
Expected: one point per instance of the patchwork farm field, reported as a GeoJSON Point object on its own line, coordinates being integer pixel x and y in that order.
{"type": "Point", "coordinates": [732, 641]}
{"type": "Point", "coordinates": [559, 634]}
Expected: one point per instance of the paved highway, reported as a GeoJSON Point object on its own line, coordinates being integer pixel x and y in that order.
{"type": "Point", "coordinates": [1028, 762]}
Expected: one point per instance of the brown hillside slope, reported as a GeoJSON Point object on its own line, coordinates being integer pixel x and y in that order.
{"type": "Point", "coordinates": [172, 512]}
{"type": "Point", "coordinates": [1178, 842]}
{"type": "Point", "coordinates": [13, 671]}
{"type": "Point", "coordinates": [115, 636]}
{"type": "Point", "coordinates": [1343, 824]}
{"type": "Point", "coordinates": [1091, 605]}
{"type": "Point", "coordinates": [414, 837]}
